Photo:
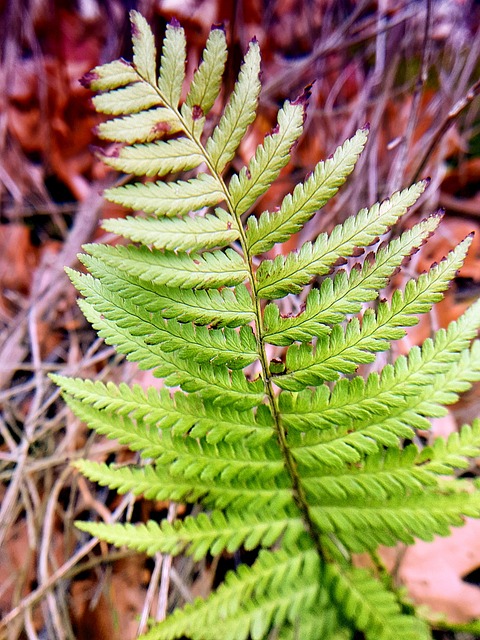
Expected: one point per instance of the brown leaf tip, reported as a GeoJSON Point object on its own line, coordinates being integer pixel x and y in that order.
{"type": "Point", "coordinates": [439, 213]}
{"type": "Point", "coordinates": [135, 29]}
{"type": "Point", "coordinates": [304, 97]}
{"type": "Point", "coordinates": [111, 152]}
{"type": "Point", "coordinates": [87, 79]}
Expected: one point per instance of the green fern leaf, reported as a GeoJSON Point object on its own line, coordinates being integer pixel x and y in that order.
{"type": "Point", "coordinates": [386, 423]}
{"type": "Point", "coordinates": [155, 159]}
{"type": "Point", "coordinates": [269, 158]}
{"type": "Point", "coordinates": [144, 52]}
{"type": "Point", "coordinates": [345, 293]}
{"type": "Point", "coordinates": [218, 346]}
{"type": "Point", "coordinates": [157, 484]}
{"type": "Point", "coordinates": [207, 79]}
{"type": "Point", "coordinates": [172, 64]}
{"type": "Point", "coordinates": [364, 525]}
{"type": "Point", "coordinates": [381, 475]}
{"type": "Point", "coordinates": [168, 198]}
{"type": "Point", "coordinates": [444, 456]}
{"type": "Point", "coordinates": [296, 209]}
{"type": "Point", "coordinates": [131, 99]}
{"type": "Point", "coordinates": [341, 352]}
{"type": "Point", "coordinates": [239, 113]}
{"type": "Point", "coordinates": [194, 416]}
{"type": "Point", "coordinates": [217, 384]}
{"type": "Point", "coordinates": [251, 600]}
{"type": "Point", "coordinates": [177, 235]}
{"type": "Point", "coordinates": [102, 407]}
{"type": "Point", "coordinates": [371, 606]}
{"type": "Point", "coordinates": [110, 76]}
{"type": "Point", "coordinates": [201, 535]}
{"type": "Point", "coordinates": [145, 126]}
{"type": "Point", "coordinates": [287, 274]}
{"type": "Point", "coordinates": [224, 307]}
{"type": "Point", "coordinates": [209, 270]}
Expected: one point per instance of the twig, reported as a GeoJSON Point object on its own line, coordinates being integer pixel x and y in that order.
{"type": "Point", "coordinates": [448, 122]}
{"type": "Point", "coordinates": [165, 580]}
{"type": "Point", "coordinates": [152, 587]}
{"type": "Point", "coordinates": [397, 172]}
{"type": "Point", "coordinates": [65, 571]}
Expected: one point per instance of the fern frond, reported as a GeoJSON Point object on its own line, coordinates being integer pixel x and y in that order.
{"type": "Point", "coordinates": [297, 208]}
{"type": "Point", "coordinates": [239, 112]}
{"type": "Point", "coordinates": [224, 307]}
{"type": "Point", "coordinates": [172, 64]}
{"type": "Point", "coordinates": [111, 75]}
{"type": "Point", "coordinates": [145, 126]}
{"type": "Point", "coordinates": [372, 608]}
{"type": "Point", "coordinates": [270, 157]}
{"type": "Point", "coordinates": [216, 346]}
{"type": "Point", "coordinates": [144, 51]}
{"type": "Point", "coordinates": [287, 274]}
{"type": "Point", "coordinates": [365, 524]}
{"type": "Point", "coordinates": [214, 493]}
{"type": "Point", "coordinates": [392, 408]}
{"type": "Point", "coordinates": [168, 198]}
{"type": "Point", "coordinates": [130, 99]}
{"type": "Point", "coordinates": [155, 159]}
{"type": "Point", "coordinates": [345, 293]}
{"type": "Point", "coordinates": [318, 473]}
{"type": "Point", "coordinates": [342, 351]}
{"type": "Point", "coordinates": [209, 270]}
{"type": "Point", "coordinates": [207, 79]}
{"type": "Point", "coordinates": [177, 235]}
{"type": "Point", "coordinates": [382, 475]}
{"type": "Point", "coordinates": [201, 535]}
{"type": "Point", "coordinates": [444, 456]}
{"type": "Point", "coordinates": [102, 407]}
{"type": "Point", "coordinates": [251, 600]}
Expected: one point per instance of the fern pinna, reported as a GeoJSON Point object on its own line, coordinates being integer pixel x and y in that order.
{"type": "Point", "coordinates": [300, 458]}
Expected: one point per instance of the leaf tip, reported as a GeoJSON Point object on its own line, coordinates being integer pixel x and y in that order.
{"type": "Point", "coordinates": [88, 79]}
{"type": "Point", "coordinates": [439, 213]}
{"type": "Point", "coordinates": [134, 17]}
{"type": "Point", "coordinates": [304, 97]}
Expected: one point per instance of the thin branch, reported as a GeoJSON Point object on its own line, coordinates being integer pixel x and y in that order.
{"type": "Point", "coordinates": [450, 119]}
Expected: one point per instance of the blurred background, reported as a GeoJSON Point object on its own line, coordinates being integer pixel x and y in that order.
{"type": "Point", "coordinates": [409, 68]}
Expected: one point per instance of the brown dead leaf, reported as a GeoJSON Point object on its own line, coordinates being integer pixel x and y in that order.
{"type": "Point", "coordinates": [18, 259]}
{"type": "Point", "coordinates": [433, 571]}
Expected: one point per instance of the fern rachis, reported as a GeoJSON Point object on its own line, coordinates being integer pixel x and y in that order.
{"type": "Point", "coordinates": [310, 472]}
